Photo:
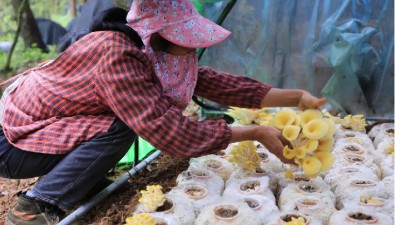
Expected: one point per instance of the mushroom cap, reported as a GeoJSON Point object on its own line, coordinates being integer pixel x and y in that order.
{"type": "Point", "coordinates": [288, 153]}
{"type": "Point", "coordinates": [309, 115]}
{"type": "Point", "coordinates": [315, 129]}
{"type": "Point", "coordinates": [141, 219]}
{"type": "Point", "coordinates": [311, 145]}
{"type": "Point", "coordinates": [311, 166]}
{"type": "Point", "coordinates": [325, 145]}
{"type": "Point", "coordinates": [291, 132]}
{"type": "Point", "coordinates": [283, 118]}
{"type": "Point", "coordinates": [326, 159]}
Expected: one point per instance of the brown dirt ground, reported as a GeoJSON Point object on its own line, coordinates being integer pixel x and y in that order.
{"type": "Point", "coordinates": [116, 207]}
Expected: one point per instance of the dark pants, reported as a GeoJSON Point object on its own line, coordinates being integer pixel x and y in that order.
{"type": "Point", "coordinates": [69, 177]}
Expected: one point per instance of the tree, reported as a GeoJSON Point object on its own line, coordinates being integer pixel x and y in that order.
{"type": "Point", "coordinates": [73, 10]}
{"type": "Point", "coordinates": [29, 30]}
{"type": "Point", "coordinates": [18, 30]}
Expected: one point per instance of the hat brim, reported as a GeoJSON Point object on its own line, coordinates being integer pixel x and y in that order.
{"type": "Point", "coordinates": [196, 32]}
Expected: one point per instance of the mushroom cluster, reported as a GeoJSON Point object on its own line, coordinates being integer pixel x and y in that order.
{"type": "Point", "coordinates": [311, 138]}
{"type": "Point", "coordinates": [347, 177]}
{"type": "Point", "coordinates": [245, 155]}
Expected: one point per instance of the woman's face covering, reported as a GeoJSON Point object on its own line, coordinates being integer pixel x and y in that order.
{"type": "Point", "coordinates": [159, 43]}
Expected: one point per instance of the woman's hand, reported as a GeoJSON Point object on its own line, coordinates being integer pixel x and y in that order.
{"type": "Point", "coordinates": [273, 140]}
{"type": "Point", "coordinates": [308, 101]}
{"type": "Point", "coordinates": [270, 137]}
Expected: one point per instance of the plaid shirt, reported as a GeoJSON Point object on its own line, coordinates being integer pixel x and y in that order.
{"type": "Point", "coordinates": [103, 76]}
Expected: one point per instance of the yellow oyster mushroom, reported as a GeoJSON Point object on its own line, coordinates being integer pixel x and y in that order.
{"type": "Point", "coordinates": [358, 123]}
{"type": "Point", "coordinates": [288, 153]}
{"type": "Point", "coordinates": [354, 122]}
{"type": "Point", "coordinates": [376, 200]}
{"type": "Point", "coordinates": [336, 120]}
{"type": "Point", "coordinates": [325, 145]}
{"type": "Point", "coordinates": [296, 221]}
{"type": "Point", "coordinates": [312, 175]}
{"type": "Point", "coordinates": [315, 129]}
{"type": "Point", "coordinates": [265, 122]}
{"type": "Point", "coordinates": [288, 174]}
{"type": "Point", "coordinates": [291, 132]}
{"type": "Point", "coordinates": [311, 145]}
{"type": "Point", "coordinates": [242, 115]}
{"type": "Point", "coordinates": [326, 159]}
{"type": "Point", "coordinates": [389, 149]}
{"type": "Point", "coordinates": [311, 166]}
{"type": "Point", "coordinates": [298, 161]}
{"type": "Point", "coordinates": [297, 120]}
{"type": "Point", "coordinates": [309, 115]}
{"type": "Point", "coordinates": [331, 128]}
{"type": "Point", "coordinates": [365, 197]}
{"type": "Point", "coordinates": [283, 118]}
{"type": "Point", "coordinates": [152, 198]}
{"type": "Point", "coordinates": [300, 152]}
{"type": "Point", "coordinates": [263, 116]}
{"type": "Point", "coordinates": [245, 155]}
{"type": "Point", "coordinates": [141, 219]}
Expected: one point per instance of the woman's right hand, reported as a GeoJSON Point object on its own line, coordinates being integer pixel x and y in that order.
{"type": "Point", "coordinates": [273, 140]}
{"type": "Point", "coordinates": [269, 136]}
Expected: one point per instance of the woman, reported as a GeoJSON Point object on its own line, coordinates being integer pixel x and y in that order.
{"type": "Point", "coordinates": [74, 118]}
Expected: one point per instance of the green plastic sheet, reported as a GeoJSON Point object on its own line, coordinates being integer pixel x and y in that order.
{"type": "Point", "coordinates": [340, 49]}
{"type": "Point", "coordinates": [145, 148]}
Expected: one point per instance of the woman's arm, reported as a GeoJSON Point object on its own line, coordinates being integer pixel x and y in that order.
{"type": "Point", "coordinates": [241, 91]}
{"type": "Point", "coordinates": [230, 90]}
{"type": "Point", "coordinates": [291, 98]}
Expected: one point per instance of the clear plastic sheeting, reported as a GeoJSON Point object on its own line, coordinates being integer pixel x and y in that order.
{"type": "Point", "coordinates": [340, 49]}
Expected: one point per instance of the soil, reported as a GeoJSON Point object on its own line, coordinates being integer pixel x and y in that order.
{"type": "Point", "coordinates": [167, 205]}
{"type": "Point", "coordinates": [352, 148]}
{"type": "Point", "coordinates": [250, 186]}
{"type": "Point", "coordinates": [353, 158]}
{"type": "Point", "coordinates": [301, 178]}
{"type": "Point", "coordinates": [213, 164]}
{"type": "Point", "coordinates": [119, 205]}
{"type": "Point", "coordinates": [252, 203]}
{"type": "Point", "coordinates": [224, 212]}
{"type": "Point", "coordinates": [263, 156]}
{"type": "Point", "coordinates": [309, 188]}
{"type": "Point", "coordinates": [361, 216]}
{"type": "Point", "coordinates": [195, 191]}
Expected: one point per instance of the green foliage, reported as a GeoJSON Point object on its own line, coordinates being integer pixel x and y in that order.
{"type": "Point", "coordinates": [62, 20]}
{"type": "Point", "coordinates": [55, 10]}
{"type": "Point", "coordinates": [24, 59]}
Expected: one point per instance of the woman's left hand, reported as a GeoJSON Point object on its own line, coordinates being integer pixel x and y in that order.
{"type": "Point", "coordinates": [308, 101]}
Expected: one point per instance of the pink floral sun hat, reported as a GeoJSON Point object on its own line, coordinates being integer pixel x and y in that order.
{"type": "Point", "coordinates": [176, 21]}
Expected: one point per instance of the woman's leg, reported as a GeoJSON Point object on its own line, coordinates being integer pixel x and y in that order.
{"type": "Point", "coordinates": [18, 164]}
{"type": "Point", "coordinates": [68, 177]}
{"type": "Point", "coordinates": [75, 175]}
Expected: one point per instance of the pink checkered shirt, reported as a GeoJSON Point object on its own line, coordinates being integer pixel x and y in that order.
{"type": "Point", "coordinates": [103, 76]}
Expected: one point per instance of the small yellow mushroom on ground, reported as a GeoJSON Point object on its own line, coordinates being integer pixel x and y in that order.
{"type": "Point", "coordinates": [141, 219]}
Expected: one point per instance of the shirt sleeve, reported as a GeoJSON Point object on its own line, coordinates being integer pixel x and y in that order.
{"type": "Point", "coordinates": [126, 85]}
{"type": "Point", "coordinates": [230, 90]}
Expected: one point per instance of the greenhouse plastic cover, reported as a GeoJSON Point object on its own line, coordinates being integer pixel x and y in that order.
{"type": "Point", "coordinates": [340, 49]}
